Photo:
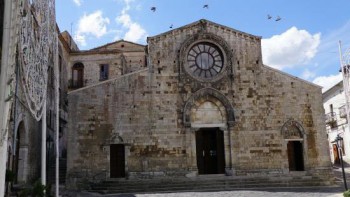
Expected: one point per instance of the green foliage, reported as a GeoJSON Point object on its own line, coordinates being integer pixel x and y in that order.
{"type": "Point", "coordinates": [37, 190]}
{"type": "Point", "coordinates": [10, 176]}
{"type": "Point", "coordinates": [346, 193]}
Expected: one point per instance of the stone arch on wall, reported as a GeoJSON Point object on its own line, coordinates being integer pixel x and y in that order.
{"type": "Point", "coordinates": [293, 134]}
{"type": "Point", "coordinates": [208, 98]}
{"type": "Point", "coordinates": [21, 150]}
{"type": "Point", "coordinates": [292, 130]}
{"type": "Point", "coordinates": [77, 75]}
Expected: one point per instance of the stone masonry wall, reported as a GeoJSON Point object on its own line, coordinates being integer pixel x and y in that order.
{"type": "Point", "coordinates": [146, 109]}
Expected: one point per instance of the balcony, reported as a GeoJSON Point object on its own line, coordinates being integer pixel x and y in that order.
{"type": "Point", "coordinates": [331, 119]}
{"type": "Point", "coordinates": [342, 111]}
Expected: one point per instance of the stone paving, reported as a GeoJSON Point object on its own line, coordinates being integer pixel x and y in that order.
{"type": "Point", "coordinates": [292, 192]}
{"type": "Point", "coordinates": [270, 192]}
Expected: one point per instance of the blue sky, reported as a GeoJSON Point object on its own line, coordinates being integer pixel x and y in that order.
{"type": "Point", "coordinates": [304, 43]}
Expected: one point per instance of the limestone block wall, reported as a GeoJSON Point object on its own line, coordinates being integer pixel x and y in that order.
{"type": "Point", "coordinates": [119, 64]}
{"type": "Point", "coordinates": [129, 108]}
{"type": "Point", "coordinates": [146, 109]}
{"type": "Point", "coordinates": [263, 99]}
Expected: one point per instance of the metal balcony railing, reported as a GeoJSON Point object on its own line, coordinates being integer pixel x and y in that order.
{"type": "Point", "coordinates": [331, 119]}
{"type": "Point", "coordinates": [342, 111]}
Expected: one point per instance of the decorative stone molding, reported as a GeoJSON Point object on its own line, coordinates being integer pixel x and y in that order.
{"type": "Point", "coordinates": [219, 42]}
{"type": "Point", "coordinates": [292, 130]}
{"type": "Point", "coordinates": [209, 93]}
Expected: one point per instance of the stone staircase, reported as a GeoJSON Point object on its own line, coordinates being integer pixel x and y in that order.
{"type": "Point", "coordinates": [205, 183]}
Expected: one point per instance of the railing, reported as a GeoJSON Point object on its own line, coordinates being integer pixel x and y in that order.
{"type": "Point", "coordinates": [331, 119]}
{"type": "Point", "coordinates": [342, 111]}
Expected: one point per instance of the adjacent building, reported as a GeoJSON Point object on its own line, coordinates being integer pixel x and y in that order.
{"type": "Point", "coordinates": [336, 121]}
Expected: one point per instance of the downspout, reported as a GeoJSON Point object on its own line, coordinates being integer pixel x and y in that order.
{"type": "Point", "coordinates": [56, 65]}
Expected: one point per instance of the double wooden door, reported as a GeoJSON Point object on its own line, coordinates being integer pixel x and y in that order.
{"type": "Point", "coordinates": [210, 151]}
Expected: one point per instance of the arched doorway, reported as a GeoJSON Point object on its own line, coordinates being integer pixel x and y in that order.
{"type": "Point", "coordinates": [293, 134]}
{"type": "Point", "coordinates": [21, 154]}
{"type": "Point", "coordinates": [208, 115]}
{"type": "Point", "coordinates": [117, 155]}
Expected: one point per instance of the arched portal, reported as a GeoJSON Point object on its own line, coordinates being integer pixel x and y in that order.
{"type": "Point", "coordinates": [293, 133]}
{"type": "Point", "coordinates": [21, 155]}
{"type": "Point", "coordinates": [208, 115]}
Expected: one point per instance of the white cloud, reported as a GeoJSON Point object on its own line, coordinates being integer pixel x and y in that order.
{"type": "Point", "coordinates": [81, 39]}
{"type": "Point", "coordinates": [307, 74]}
{"type": "Point", "coordinates": [78, 2]}
{"type": "Point", "coordinates": [289, 49]}
{"type": "Point", "coordinates": [134, 31]}
{"type": "Point", "coordinates": [328, 81]}
{"type": "Point", "coordinates": [93, 24]}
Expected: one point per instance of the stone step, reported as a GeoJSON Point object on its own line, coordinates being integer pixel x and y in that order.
{"type": "Point", "coordinates": [138, 186]}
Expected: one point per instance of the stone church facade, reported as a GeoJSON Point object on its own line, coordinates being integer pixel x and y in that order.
{"type": "Point", "coordinates": [196, 100]}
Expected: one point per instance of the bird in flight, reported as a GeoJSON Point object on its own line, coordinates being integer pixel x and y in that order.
{"type": "Point", "coordinates": [153, 9]}
{"type": "Point", "coordinates": [278, 18]}
{"type": "Point", "coordinates": [206, 6]}
{"type": "Point", "coordinates": [269, 16]}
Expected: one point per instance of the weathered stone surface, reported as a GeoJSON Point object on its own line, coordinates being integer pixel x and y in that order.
{"type": "Point", "coordinates": [157, 111]}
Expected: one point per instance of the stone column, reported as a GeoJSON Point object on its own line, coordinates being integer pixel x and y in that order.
{"type": "Point", "coordinates": [228, 150]}
{"type": "Point", "coordinates": [191, 151]}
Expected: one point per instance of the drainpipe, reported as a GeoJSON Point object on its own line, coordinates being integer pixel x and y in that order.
{"type": "Point", "coordinates": [5, 92]}
{"type": "Point", "coordinates": [57, 81]}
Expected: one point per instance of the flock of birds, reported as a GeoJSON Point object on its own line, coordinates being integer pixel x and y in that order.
{"type": "Point", "coordinates": [206, 6]}
{"type": "Point", "coordinates": [278, 18]}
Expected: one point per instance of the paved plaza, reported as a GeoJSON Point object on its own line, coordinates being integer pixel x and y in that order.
{"type": "Point", "coordinates": [293, 192]}
{"type": "Point", "coordinates": [335, 191]}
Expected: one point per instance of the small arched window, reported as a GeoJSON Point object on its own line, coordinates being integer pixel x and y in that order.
{"type": "Point", "coordinates": [78, 75]}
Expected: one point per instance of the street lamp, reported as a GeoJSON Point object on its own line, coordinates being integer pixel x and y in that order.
{"type": "Point", "coordinates": [337, 142]}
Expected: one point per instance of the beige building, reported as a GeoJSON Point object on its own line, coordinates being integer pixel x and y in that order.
{"type": "Point", "coordinates": [195, 100]}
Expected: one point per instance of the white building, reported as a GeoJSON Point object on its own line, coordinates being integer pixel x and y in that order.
{"type": "Point", "coordinates": [336, 121]}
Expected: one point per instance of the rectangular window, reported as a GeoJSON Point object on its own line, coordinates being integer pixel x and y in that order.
{"type": "Point", "coordinates": [104, 72]}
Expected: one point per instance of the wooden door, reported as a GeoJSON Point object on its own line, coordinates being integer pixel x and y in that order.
{"type": "Point", "coordinates": [295, 156]}
{"type": "Point", "coordinates": [117, 160]}
{"type": "Point", "coordinates": [220, 151]}
{"type": "Point", "coordinates": [336, 154]}
{"type": "Point", "coordinates": [210, 151]}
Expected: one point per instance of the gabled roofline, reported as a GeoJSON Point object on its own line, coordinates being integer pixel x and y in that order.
{"type": "Point", "coordinates": [203, 21]}
{"type": "Point", "coordinates": [291, 76]}
{"type": "Point", "coordinates": [332, 89]}
{"type": "Point", "coordinates": [107, 81]}
{"type": "Point", "coordinates": [108, 44]}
